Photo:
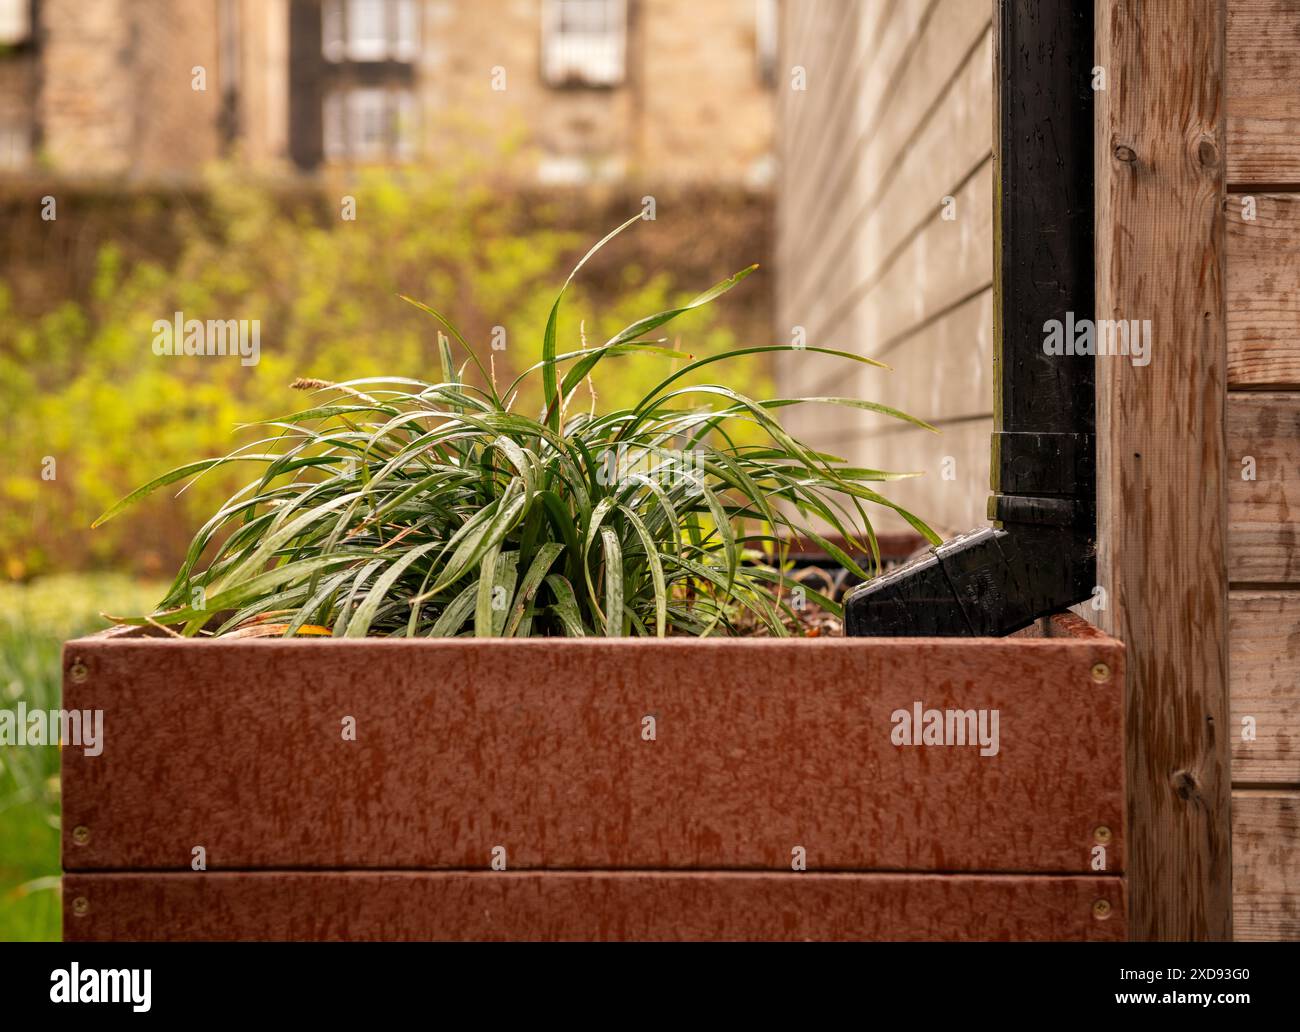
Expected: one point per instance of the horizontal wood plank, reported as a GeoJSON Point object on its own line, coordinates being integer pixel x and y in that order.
{"type": "Point", "coordinates": [761, 746]}
{"type": "Point", "coordinates": [604, 906]}
{"type": "Point", "coordinates": [1264, 672]}
{"type": "Point", "coordinates": [1263, 91]}
{"type": "Point", "coordinates": [1263, 284]}
{"type": "Point", "coordinates": [1266, 865]}
{"type": "Point", "coordinates": [1263, 535]}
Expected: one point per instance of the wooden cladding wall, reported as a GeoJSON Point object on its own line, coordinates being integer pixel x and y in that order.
{"type": "Point", "coordinates": [1263, 435]}
{"type": "Point", "coordinates": [891, 134]}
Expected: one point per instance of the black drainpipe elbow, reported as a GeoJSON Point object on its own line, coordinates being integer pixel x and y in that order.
{"type": "Point", "coordinates": [1039, 556]}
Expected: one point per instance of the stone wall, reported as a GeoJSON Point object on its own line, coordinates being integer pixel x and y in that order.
{"type": "Point", "coordinates": [116, 90]}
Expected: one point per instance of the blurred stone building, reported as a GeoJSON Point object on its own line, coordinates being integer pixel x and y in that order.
{"type": "Point", "coordinates": [671, 91]}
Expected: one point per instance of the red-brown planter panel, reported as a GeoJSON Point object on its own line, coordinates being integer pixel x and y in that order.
{"type": "Point", "coordinates": [761, 747]}
{"type": "Point", "coordinates": [603, 905]}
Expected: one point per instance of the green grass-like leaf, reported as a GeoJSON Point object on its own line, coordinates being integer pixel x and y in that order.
{"type": "Point", "coordinates": [400, 507]}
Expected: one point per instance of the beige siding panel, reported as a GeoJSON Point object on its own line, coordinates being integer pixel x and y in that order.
{"type": "Point", "coordinates": [807, 37]}
{"type": "Point", "coordinates": [1264, 672]}
{"type": "Point", "coordinates": [805, 21]}
{"type": "Point", "coordinates": [949, 506]}
{"type": "Point", "coordinates": [944, 371]}
{"type": "Point", "coordinates": [1263, 91]}
{"type": "Point", "coordinates": [940, 267]}
{"type": "Point", "coordinates": [866, 263]}
{"type": "Point", "coordinates": [803, 135]}
{"type": "Point", "coordinates": [811, 424]}
{"type": "Point", "coordinates": [920, 151]}
{"type": "Point", "coordinates": [1263, 533]}
{"type": "Point", "coordinates": [828, 54]}
{"type": "Point", "coordinates": [840, 140]}
{"type": "Point", "coordinates": [950, 149]}
{"type": "Point", "coordinates": [1266, 864]}
{"type": "Point", "coordinates": [1263, 279]}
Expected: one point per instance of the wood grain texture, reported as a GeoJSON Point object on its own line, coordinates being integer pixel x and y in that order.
{"type": "Point", "coordinates": [462, 746]}
{"type": "Point", "coordinates": [1263, 533]}
{"type": "Point", "coordinates": [1264, 649]}
{"type": "Point", "coordinates": [1264, 288]}
{"type": "Point", "coordinates": [604, 906]}
{"type": "Point", "coordinates": [1264, 351]}
{"type": "Point", "coordinates": [1263, 91]}
{"type": "Point", "coordinates": [1266, 864]}
{"type": "Point", "coordinates": [1161, 466]}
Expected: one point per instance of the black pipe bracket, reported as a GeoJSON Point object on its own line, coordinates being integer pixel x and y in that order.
{"type": "Point", "coordinates": [1039, 556]}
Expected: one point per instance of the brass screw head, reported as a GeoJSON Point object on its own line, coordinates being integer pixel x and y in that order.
{"type": "Point", "coordinates": [1101, 909]}
{"type": "Point", "coordinates": [81, 906]}
{"type": "Point", "coordinates": [1102, 834]}
{"type": "Point", "coordinates": [1100, 673]}
{"type": "Point", "coordinates": [81, 834]}
{"type": "Point", "coordinates": [78, 672]}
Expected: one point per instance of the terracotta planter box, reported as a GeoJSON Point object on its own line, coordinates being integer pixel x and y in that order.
{"type": "Point", "coordinates": [630, 789]}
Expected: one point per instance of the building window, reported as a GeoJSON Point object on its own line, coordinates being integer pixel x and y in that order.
{"type": "Point", "coordinates": [369, 123]}
{"type": "Point", "coordinates": [15, 22]}
{"type": "Point", "coordinates": [368, 106]}
{"type": "Point", "coordinates": [584, 42]}
{"type": "Point", "coordinates": [370, 30]}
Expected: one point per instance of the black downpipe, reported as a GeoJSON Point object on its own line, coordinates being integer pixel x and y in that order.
{"type": "Point", "coordinates": [1039, 556]}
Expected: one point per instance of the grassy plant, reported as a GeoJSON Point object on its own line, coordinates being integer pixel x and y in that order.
{"type": "Point", "coordinates": [405, 508]}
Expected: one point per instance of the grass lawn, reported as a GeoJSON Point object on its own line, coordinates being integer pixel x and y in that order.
{"type": "Point", "coordinates": [35, 620]}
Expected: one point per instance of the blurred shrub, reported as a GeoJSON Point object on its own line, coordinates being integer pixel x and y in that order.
{"type": "Point", "coordinates": [90, 412]}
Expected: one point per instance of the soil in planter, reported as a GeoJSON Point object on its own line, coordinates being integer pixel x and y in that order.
{"type": "Point", "coordinates": [814, 568]}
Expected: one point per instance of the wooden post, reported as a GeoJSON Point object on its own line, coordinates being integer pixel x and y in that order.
{"type": "Point", "coordinates": [1161, 451]}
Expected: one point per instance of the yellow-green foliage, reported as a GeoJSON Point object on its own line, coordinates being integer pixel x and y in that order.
{"type": "Point", "coordinates": [80, 384]}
